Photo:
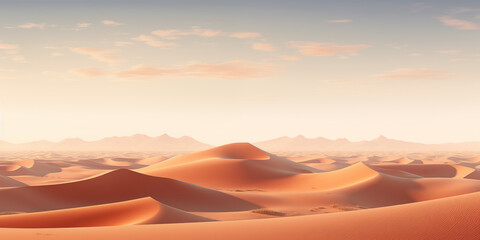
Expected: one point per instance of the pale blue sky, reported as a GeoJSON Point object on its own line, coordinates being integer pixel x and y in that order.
{"type": "Point", "coordinates": [354, 69]}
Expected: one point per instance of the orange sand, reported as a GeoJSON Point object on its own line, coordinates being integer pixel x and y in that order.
{"type": "Point", "coordinates": [238, 191]}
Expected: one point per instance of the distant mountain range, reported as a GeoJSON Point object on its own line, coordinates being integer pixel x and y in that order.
{"type": "Point", "coordinates": [301, 143]}
{"type": "Point", "coordinates": [138, 142]}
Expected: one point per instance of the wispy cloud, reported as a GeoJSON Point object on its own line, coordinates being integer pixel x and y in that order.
{"type": "Point", "coordinates": [245, 35]}
{"type": "Point", "coordinates": [458, 23]}
{"type": "Point", "coordinates": [413, 74]}
{"type": "Point", "coordinates": [15, 58]}
{"type": "Point", "coordinates": [90, 72]}
{"type": "Point", "coordinates": [101, 55]}
{"type": "Point", "coordinates": [172, 34]}
{"type": "Point", "coordinates": [5, 46]}
{"type": "Point", "coordinates": [340, 21]}
{"type": "Point", "coordinates": [84, 25]}
{"type": "Point", "coordinates": [18, 58]}
{"type": "Point", "coordinates": [152, 41]}
{"type": "Point", "coordinates": [228, 70]}
{"type": "Point", "coordinates": [30, 25]}
{"type": "Point", "coordinates": [327, 49]}
{"type": "Point", "coordinates": [111, 23]}
{"type": "Point", "coordinates": [449, 52]}
{"type": "Point", "coordinates": [266, 47]}
{"type": "Point", "coordinates": [401, 46]}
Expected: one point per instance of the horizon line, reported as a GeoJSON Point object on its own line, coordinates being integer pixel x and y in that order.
{"type": "Point", "coordinates": [228, 142]}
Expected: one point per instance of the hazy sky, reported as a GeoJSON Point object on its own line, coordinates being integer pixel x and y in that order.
{"type": "Point", "coordinates": [225, 71]}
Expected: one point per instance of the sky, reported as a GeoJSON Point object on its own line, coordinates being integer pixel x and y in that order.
{"type": "Point", "coordinates": [228, 71]}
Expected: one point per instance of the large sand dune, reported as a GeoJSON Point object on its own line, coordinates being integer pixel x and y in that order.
{"type": "Point", "coordinates": [238, 191]}
{"type": "Point", "coordinates": [138, 211]}
{"type": "Point", "coordinates": [118, 185]}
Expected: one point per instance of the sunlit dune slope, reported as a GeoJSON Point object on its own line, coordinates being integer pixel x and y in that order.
{"type": "Point", "coordinates": [138, 211]}
{"type": "Point", "coordinates": [448, 218]}
{"type": "Point", "coordinates": [228, 166]}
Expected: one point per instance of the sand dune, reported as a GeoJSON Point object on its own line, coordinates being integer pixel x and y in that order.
{"type": "Point", "coordinates": [27, 167]}
{"type": "Point", "coordinates": [433, 170]}
{"type": "Point", "coordinates": [118, 185]}
{"type": "Point", "coordinates": [107, 163]}
{"type": "Point", "coordinates": [138, 211]}
{"type": "Point", "coordinates": [214, 169]}
{"type": "Point", "coordinates": [385, 190]}
{"type": "Point", "coordinates": [228, 166]}
{"type": "Point", "coordinates": [238, 191]}
{"type": "Point", "coordinates": [448, 218]}
{"type": "Point", "coordinates": [9, 182]}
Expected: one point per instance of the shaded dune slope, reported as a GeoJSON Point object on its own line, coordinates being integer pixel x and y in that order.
{"type": "Point", "coordinates": [138, 211]}
{"type": "Point", "coordinates": [9, 182]}
{"type": "Point", "coordinates": [433, 170]}
{"type": "Point", "coordinates": [118, 185]}
{"type": "Point", "coordinates": [28, 167]}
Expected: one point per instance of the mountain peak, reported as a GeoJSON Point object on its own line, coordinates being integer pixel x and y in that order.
{"type": "Point", "coordinates": [380, 138]}
{"type": "Point", "coordinates": [164, 136]}
{"type": "Point", "coordinates": [300, 137]}
{"type": "Point", "coordinates": [138, 135]}
{"type": "Point", "coordinates": [72, 141]}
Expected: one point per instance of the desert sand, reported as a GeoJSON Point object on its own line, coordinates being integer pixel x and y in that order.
{"type": "Point", "coordinates": [239, 191]}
